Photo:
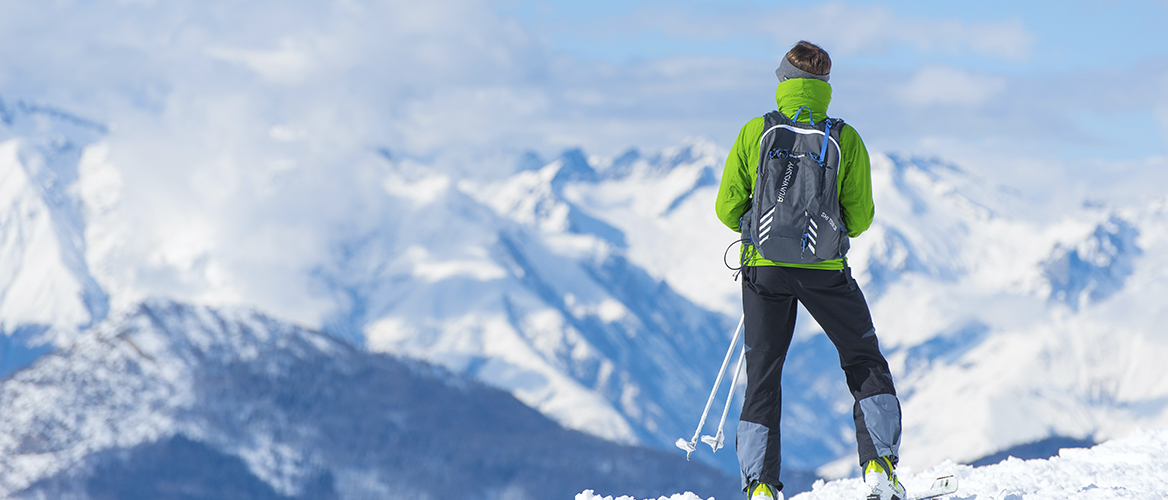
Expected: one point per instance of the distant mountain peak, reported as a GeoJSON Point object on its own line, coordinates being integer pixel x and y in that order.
{"type": "Point", "coordinates": [45, 281]}
{"type": "Point", "coordinates": [1096, 267]}
{"type": "Point", "coordinates": [30, 118]}
{"type": "Point", "coordinates": [574, 167]}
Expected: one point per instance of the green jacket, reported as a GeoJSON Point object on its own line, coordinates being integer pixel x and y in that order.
{"type": "Point", "coordinates": [854, 181]}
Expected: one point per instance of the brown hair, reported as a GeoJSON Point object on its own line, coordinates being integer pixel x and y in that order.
{"type": "Point", "coordinates": [810, 58]}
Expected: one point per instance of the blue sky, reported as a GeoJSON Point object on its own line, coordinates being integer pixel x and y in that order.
{"type": "Point", "coordinates": [1080, 84]}
{"type": "Point", "coordinates": [1068, 35]}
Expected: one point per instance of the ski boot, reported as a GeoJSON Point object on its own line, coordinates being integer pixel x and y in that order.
{"type": "Point", "coordinates": [880, 477]}
{"type": "Point", "coordinates": [762, 491]}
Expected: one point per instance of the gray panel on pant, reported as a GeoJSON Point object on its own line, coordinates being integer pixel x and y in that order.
{"type": "Point", "coordinates": [752, 442]}
{"type": "Point", "coordinates": [882, 419]}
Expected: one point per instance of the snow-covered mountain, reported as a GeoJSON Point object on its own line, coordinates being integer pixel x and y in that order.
{"type": "Point", "coordinates": [593, 290]}
{"type": "Point", "coordinates": [1003, 328]}
{"type": "Point", "coordinates": [269, 409]}
{"type": "Point", "coordinates": [978, 300]}
{"type": "Point", "coordinates": [172, 400]}
{"type": "Point", "coordinates": [45, 283]}
{"type": "Point", "coordinates": [511, 282]}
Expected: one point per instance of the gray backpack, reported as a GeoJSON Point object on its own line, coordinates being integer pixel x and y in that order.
{"type": "Point", "coordinates": [794, 216]}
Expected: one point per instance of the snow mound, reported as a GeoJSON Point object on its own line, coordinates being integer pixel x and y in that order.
{"type": "Point", "coordinates": [1128, 468]}
{"type": "Point", "coordinates": [589, 495]}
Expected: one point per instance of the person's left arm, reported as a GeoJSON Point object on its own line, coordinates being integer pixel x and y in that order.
{"type": "Point", "coordinates": [734, 193]}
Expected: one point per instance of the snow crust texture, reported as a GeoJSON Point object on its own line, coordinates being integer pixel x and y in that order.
{"type": "Point", "coordinates": [1128, 468]}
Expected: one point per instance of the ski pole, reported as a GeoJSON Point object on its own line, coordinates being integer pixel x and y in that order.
{"type": "Point", "coordinates": [692, 444]}
{"type": "Point", "coordinates": [715, 442]}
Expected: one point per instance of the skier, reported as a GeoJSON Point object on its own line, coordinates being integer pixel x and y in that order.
{"type": "Point", "coordinates": [771, 289]}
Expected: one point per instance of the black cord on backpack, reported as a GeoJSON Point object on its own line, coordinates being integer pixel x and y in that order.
{"type": "Point", "coordinates": [744, 257]}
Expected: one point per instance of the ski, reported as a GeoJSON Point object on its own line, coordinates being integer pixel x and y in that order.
{"type": "Point", "coordinates": [942, 486]}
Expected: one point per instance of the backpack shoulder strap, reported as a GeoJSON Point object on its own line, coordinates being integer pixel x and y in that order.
{"type": "Point", "coordinates": [829, 125]}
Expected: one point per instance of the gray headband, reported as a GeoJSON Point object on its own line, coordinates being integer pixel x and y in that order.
{"type": "Point", "coordinates": [788, 71]}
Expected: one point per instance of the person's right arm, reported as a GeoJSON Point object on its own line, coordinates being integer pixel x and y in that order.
{"type": "Point", "coordinates": [855, 188]}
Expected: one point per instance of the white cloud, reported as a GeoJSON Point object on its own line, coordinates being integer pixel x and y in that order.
{"type": "Point", "coordinates": [287, 64]}
{"type": "Point", "coordinates": [245, 134]}
{"type": "Point", "coordinates": [950, 86]}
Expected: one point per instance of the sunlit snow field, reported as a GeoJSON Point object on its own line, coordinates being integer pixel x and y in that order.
{"type": "Point", "coordinates": [1129, 468]}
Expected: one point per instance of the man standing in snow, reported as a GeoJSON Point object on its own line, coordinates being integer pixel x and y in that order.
{"type": "Point", "coordinates": [772, 289]}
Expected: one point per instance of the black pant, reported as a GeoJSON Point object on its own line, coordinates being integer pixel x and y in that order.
{"type": "Point", "coordinates": [769, 299]}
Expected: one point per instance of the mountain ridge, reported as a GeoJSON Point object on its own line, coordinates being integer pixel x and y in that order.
{"type": "Point", "coordinates": [589, 288]}
{"type": "Point", "coordinates": [298, 411]}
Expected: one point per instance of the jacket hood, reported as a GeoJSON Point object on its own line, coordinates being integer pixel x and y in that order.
{"type": "Point", "coordinates": [798, 92]}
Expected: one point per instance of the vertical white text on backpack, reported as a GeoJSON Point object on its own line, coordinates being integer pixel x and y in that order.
{"type": "Point", "coordinates": [795, 215]}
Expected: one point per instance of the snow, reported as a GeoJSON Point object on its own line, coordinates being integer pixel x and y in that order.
{"type": "Point", "coordinates": [663, 205]}
{"type": "Point", "coordinates": [513, 283]}
{"type": "Point", "coordinates": [1129, 468]}
{"type": "Point", "coordinates": [37, 283]}
{"type": "Point", "coordinates": [589, 495]}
